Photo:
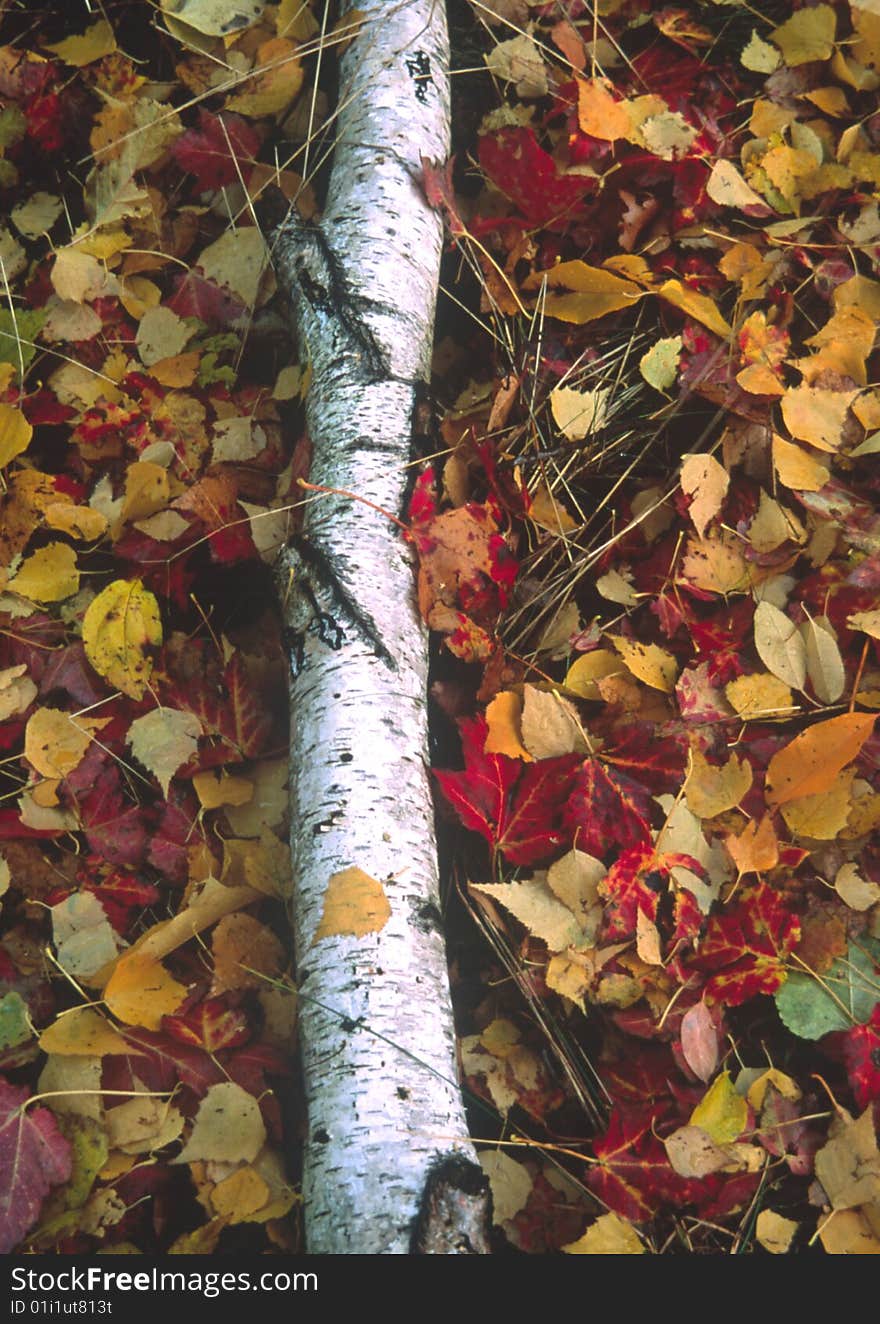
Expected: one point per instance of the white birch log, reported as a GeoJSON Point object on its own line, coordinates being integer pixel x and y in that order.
{"type": "Point", "coordinates": [384, 1107]}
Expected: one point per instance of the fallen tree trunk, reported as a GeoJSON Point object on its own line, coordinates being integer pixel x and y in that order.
{"type": "Point", "coordinates": [387, 1136]}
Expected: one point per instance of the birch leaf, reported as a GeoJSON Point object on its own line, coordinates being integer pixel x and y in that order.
{"type": "Point", "coordinates": [659, 366]}
{"type": "Point", "coordinates": [354, 903]}
{"type": "Point", "coordinates": [228, 1127]}
{"type": "Point", "coordinates": [609, 1235]}
{"type": "Point", "coordinates": [15, 433]}
{"type": "Point", "coordinates": [649, 663]}
{"type": "Point", "coordinates": [49, 575]}
{"type": "Point", "coordinates": [140, 991]}
{"type": "Point", "coordinates": [163, 741]}
{"type": "Point", "coordinates": [774, 1232]}
{"type": "Point", "coordinates": [780, 646]}
{"type": "Point", "coordinates": [711, 789]}
{"type": "Point", "coordinates": [535, 906]}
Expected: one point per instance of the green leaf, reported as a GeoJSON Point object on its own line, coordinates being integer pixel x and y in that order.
{"type": "Point", "coordinates": [812, 1006]}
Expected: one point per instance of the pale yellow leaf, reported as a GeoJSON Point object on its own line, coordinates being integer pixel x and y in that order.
{"type": "Point", "coordinates": [49, 575]}
{"type": "Point", "coordinates": [228, 1127]}
{"type": "Point", "coordinates": [760, 696]}
{"type": "Point", "coordinates": [163, 740]}
{"type": "Point", "coordinates": [780, 645]}
{"type": "Point", "coordinates": [711, 789]}
{"type": "Point", "coordinates": [649, 663]}
{"type": "Point", "coordinates": [609, 1235]}
{"type": "Point", "coordinates": [706, 482]}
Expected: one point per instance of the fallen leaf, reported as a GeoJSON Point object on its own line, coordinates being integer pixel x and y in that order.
{"type": "Point", "coordinates": [228, 1127]}
{"type": "Point", "coordinates": [49, 575]}
{"type": "Point", "coordinates": [722, 1113]}
{"type": "Point", "coordinates": [848, 1166]}
{"type": "Point", "coordinates": [706, 482]}
{"type": "Point", "coordinates": [503, 720]}
{"type": "Point", "coordinates": [34, 1157]}
{"type": "Point", "coordinates": [163, 740]}
{"type": "Point", "coordinates": [140, 991]}
{"type": "Point", "coordinates": [648, 663]}
{"type": "Point", "coordinates": [780, 645]}
{"type": "Point", "coordinates": [774, 1232]}
{"type": "Point", "coordinates": [120, 624]}
{"type": "Point", "coordinates": [809, 764]}
{"type": "Point", "coordinates": [711, 789]}
{"type": "Point", "coordinates": [510, 1182]}
{"type": "Point", "coordinates": [354, 903]}
{"type": "Point", "coordinates": [699, 1041]}
{"type": "Point", "coordinates": [609, 1235]}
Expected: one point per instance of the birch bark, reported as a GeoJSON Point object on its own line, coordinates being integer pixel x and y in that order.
{"type": "Point", "coordinates": [384, 1106]}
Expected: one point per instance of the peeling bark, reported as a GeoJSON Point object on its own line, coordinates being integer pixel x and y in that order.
{"type": "Point", "coordinates": [384, 1106]}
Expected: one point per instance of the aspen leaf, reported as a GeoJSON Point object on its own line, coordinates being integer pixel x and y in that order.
{"type": "Point", "coordinates": [228, 1127]}
{"type": "Point", "coordinates": [848, 1232]}
{"type": "Point", "coordinates": [711, 789]}
{"type": "Point", "coordinates": [809, 764]}
{"type": "Point", "coordinates": [535, 906]}
{"type": "Point", "coordinates": [583, 673]}
{"type": "Point", "coordinates": [503, 716]}
{"type": "Point", "coordinates": [55, 742]}
{"type": "Point", "coordinates": [589, 292]}
{"type": "Point", "coordinates": [706, 482]}
{"type": "Point", "coordinates": [17, 691]}
{"type": "Point", "coordinates": [118, 627]}
{"type": "Point", "coordinates": [147, 490]}
{"type": "Point", "coordinates": [49, 575]}
{"type": "Point", "coordinates": [93, 44]}
{"type": "Point", "coordinates": [215, 788]}
{"type": "Point", "coordinates": [866, 621]}
{"type": "Point", "coordinates": [550, 725]}
{"type": "Point", "coordinates": [759, 56]}
{"type": "Point", "coordinates": [823, 815]}
{"type": "Point", "coordinates": [76, 521]}
{"type": "Point", "coordinates": [240, 1194]}
{"type": "Point", "coordinates": [855, 891]}
{"type": "Point", "coordinates": [578, 413]}
{"type": "Point", "coordinates": [807, 35]}
{"type": "Point", "coordinates": [722, 1113]}
{"type": "Point", "coordinates": [760, 696]}
{"type": "Point", "coordinates": [615, 586]}
{"type": "Point", "coordinates": [609, 1235]}
{"type": "Point", "coordinates": [648, 944]}
{"type": "Point", "coordinates": [545, 510]}
{"type": "Point", "coordinates": [774, 525]}
{"type": "Point", "coordinates": [140, 991]}
{"type": "Point", "coordinates": [797, 468]}
{"type": "Point", "coordinates": [84, 938]}
{"type": "Point", "coordinates": [815, 415]}
{"type": "Point", "coordinates": [780, 645]}
{"type": "Point", "coordinates": [83, 1032]}
{"type": "Point", "coordinates": [274, 83]}
{"type": "Point", "coordinates": [659, 366]}
{"type": "Point", "coordinates": [849, 1164]}
{"type": "Point", "coordinates": [649, 663]}
{"type": "Point", "coordinates": [15, 433]}
{"type": "Point", "coordinates": [354, 903]}
{"type": "Point", "coordinates": [163, 741]}
{"type": "Point", "coordinates": [161, 334]}
{"type": "Point", "coordinates": [518, 60]}
{"type": "Point", "coordinates": [510, 1182]}
{"type": "Point", "coordinates": [715, 563]}
{"type": "Point", "coordinates": [727, 187]}
{"type": "Point", "coordinates": [774, 1232]}
{"type": "Point", "coordinates": [693, 304]}
{"type": "Point", "coordinates": [600, 113]}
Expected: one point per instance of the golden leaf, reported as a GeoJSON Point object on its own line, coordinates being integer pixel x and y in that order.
{"type": "Point", "coordinates": [121, 623]}
{"type": "Point", "coordinates": [354, 903]}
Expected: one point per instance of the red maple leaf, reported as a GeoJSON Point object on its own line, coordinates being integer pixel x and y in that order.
{"type": "Point", "coordinates": [746, 946]}
{"type": "Point", "coordinates": [222, 149]}
{"type": "Point", "coordinates": [606, 810]}
{"type": "Point", "coordinates": [34, 1156]}
{"type": "Point", "coordinates": [516, 164]}
{"type": "Point", "coordinates": [210, 1025]}
{"type": "Point", "coordinates": [516, 810]}
{"type": "Point", "coordinates": [633, 1176]}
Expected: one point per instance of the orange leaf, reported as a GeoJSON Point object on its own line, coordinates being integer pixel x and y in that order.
{"type": "Point", "coordinates": [809, 764]}
{"type": "Point", "coordinates": [141, 991]}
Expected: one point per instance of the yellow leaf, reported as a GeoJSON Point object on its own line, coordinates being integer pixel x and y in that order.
{"type": "Point", "coordinates": [545, 510]}
{"type": "Point", "coordinates": [55, 742]}
{"type": "Point", "coordinates": [147, 490]}
{"type": "Point", "coordinates": [241, 1193]}
{"type": "Point", "coordinates": [609, 1235]}
{"type": "Point", "coordinates": [578, 413]}
{"type": "Point", "coordinates": [848, 1232]}
{"type": "Point", "coordinates": [275, 80]}
{"type": "Point", "coordinates": [866, 621]}
{"type": "Point", "coordinates": [593, 292]}
{"type": "Point", "coordinates": [15, 433]}
{"type": "Point", "coordinates": [76, 521]}
{"type": "Point", "coordinates": [727, 187]}
{"type": "Point", "coordinates": [807, 35]}
{"type": "Point", "coordinates": [583, 673]}
{"type": "Point", "coordinates": [216, 788]}
{"type": "Point", "coordinates": [716, 563]}
{"type": "Point", "coordinates": [774, 1232]}
{"type": "Point", "coordinates": [93, 44]}
{"type": "Point", "coordinates": [809, 764]}
{"type": "Point", "coordinates": [354, 903]}
{"type": "Point", "coordinates": [815, 415]}
{"type": "Point", "coordinates": [796, 468]}
{"type": "Point", "coordinates": [693, 304]}
{"type": "Point", "coordinates": [649, 663]}
{"type": "Point", "coordinates": [119, 625]}
{"type": "Point", "coordinates": [83, 1032]}
{"type": "Point", "coordinates": [823, 815]}
{"type": "Point", "coordinates": [760, 696]}
{"type": "Point", "coordinates": [711, 789]}
{"type": "Point", "coordinates": [780, 645]}
{"type": "Point", "coordinates": [706, 482]}
{"type": "Point", "coordinates": [503, 717]}
{"type": "Point", "coordinates": [140, 991]}
{"type": "Point", "coordinates": [721, 1113]}
{"type": "Point", "coordinates": [50, 575]}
